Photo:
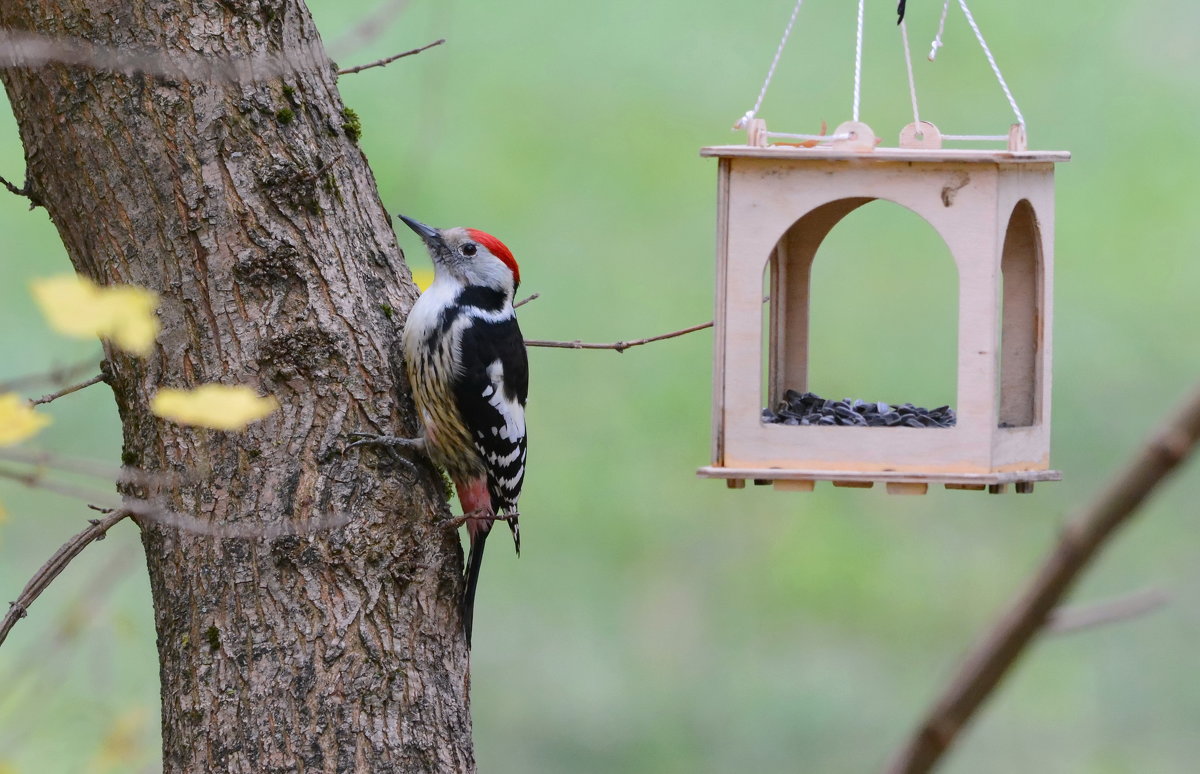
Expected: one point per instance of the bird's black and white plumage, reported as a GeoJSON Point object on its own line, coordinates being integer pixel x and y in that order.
{"type": "Point", "coordinates": [491, 396]}
{"type": "Point", "coordinates": [469, 373]}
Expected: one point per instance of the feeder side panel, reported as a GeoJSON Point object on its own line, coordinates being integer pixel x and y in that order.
{"type": "Point", "coordinates": [719, 328]}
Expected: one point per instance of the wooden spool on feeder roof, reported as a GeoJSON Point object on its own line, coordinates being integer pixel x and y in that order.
{"type": "Point", "coordinates": [995, 211]}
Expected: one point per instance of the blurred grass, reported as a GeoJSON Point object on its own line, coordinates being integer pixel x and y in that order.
{"type": "Point", "coordinates": [659, 623]}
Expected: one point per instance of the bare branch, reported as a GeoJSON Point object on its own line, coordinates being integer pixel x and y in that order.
{"type": "Point", "coordinates": [1080, 543]}
{"type": "Point", "coordinates": [619, 346]}
{"type": "Point", "coordinates": [19, 191]}
{"type": "Point", "coordinates": [12, 188]}
{"type": "Point", "coordinates": [388, 60]}
{"type": "Point", "coordinates": [525, 301]}
{"type": "Point", "coordinates": [54, 566]}
{"type": "Point", "coordinates": [67, 391]}
{"type": "Point", "coordinates": [1067, 620]}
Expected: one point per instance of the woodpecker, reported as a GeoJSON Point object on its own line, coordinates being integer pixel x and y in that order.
{"type": "Point", "coordinates": [466, 362]}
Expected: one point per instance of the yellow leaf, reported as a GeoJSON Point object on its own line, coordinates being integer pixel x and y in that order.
{"type": "Point", "coordinates": [422, 278]}
{"type": "Point", "coordinates": [75, 306]}
{"type": "Point", "coordinates": [18, 420]}
{"type": "Point", "coordinates": [219, 406]}
{"type": "Point", "coordinates": [135, 325]}
{"type": "Point", "coordinates": [3, 518]}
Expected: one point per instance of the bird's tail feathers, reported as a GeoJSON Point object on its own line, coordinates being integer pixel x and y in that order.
{"type": "Point", "coordinates": [515, 526]}
{"type": "Point", "coordinates": [474, 562]}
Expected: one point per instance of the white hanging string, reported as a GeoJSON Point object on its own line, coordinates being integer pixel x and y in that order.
{"type": "Point", "coordinates": [744, 121]}
{"type": "Point", "coordinates": [937, 41]}
{"type": "Point", "coordinates": [858, 53]}
{"type": "Point", "coordinates": [992, 61]}
{"type": "Point", "coordinates": [912, 82]}
{"type": "Point", "coordinates": [750, 114]}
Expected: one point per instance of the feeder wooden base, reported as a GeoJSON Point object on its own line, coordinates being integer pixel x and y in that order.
{"type": "Point", "coordinates": [907, 483]}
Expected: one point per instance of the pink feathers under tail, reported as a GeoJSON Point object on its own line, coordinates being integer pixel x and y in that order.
{"type": "Point", "coordinates": [475, 500]}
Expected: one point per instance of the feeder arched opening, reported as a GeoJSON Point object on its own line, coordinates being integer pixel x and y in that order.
{"type": "Point", "coordinates": [1021, 326]}
{"type": "Point", "coordinates": [876, 320]}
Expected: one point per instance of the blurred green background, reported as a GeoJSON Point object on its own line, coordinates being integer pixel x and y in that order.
{"type": "Point", "coordinates": [661, 623]}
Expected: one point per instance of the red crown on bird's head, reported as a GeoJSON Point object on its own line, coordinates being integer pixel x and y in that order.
{"type": "Point", "coordinates": [498, 249]}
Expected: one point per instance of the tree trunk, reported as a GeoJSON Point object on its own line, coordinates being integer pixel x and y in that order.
{"type": "Point", "coordinates": [248, 206]}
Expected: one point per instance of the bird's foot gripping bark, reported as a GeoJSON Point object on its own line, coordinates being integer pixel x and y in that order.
{"type": "Point", "coordinates": [390, 443]}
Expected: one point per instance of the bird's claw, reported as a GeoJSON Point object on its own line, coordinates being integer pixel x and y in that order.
{"type": "Point", "coordinates": [455, 522]}
{"type": "Point", "coordinates": [389, 442]}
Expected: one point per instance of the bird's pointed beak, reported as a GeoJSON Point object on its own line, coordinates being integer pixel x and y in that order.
{"type": "Point", "coordinates": [430, 235]}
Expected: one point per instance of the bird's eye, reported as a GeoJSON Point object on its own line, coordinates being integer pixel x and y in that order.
{"type": "Point", "coordinates": [469, 249]}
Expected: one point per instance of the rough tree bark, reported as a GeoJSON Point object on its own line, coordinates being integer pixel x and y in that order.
{"type": "Point", "coordinates": [248, 206]}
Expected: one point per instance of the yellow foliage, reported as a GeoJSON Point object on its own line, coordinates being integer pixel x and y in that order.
{"type": "Point", "coordinates": [123, 314]}
{"type": "Point", "coordinates": [422, 278]}
{"type": "Point", "coordinates": [7, 768]}
{"type": "Point", "coordinates": [18, 420]}
{"type": "Point", "coordinates": [218, 406]}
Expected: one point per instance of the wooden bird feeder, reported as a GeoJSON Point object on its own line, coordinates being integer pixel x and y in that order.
{"type": "Point", "coordinates": [995, 211]}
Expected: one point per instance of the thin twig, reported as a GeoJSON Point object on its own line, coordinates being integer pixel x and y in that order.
{"type": "Point", "coordinates": [1068, 620]}
{"type": "Point", "coordinates": [18, 191]}
{"type": "Point", "coordinates": [619, 346]}
{"type": "Point", "coordinates": [388, 60]}
{"type": "Point", "coordinates": [54, 566]}
{"type": "Point", "coordinates": [1080, 543]}
{"type": "Point", "coordinates": [67, 391]}
{"type": "Point", "coordinates": [525, 301]}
